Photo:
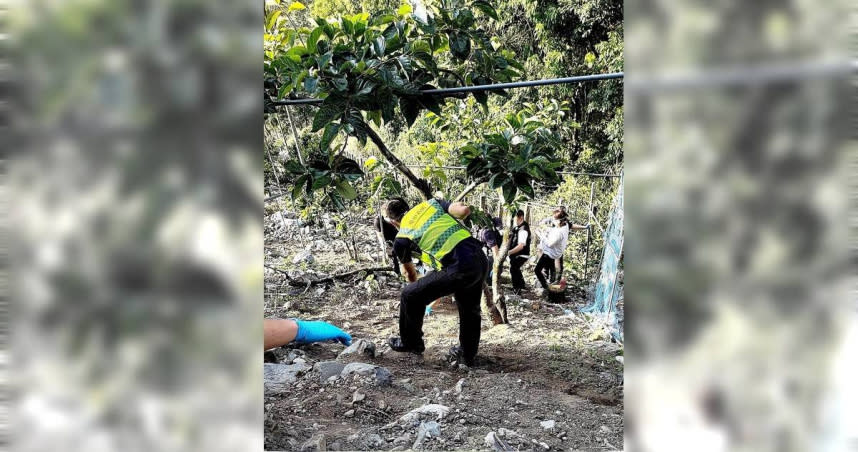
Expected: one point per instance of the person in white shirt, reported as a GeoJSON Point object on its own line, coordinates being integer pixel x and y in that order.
{"type": "Point", "coordinates": [553, 242]}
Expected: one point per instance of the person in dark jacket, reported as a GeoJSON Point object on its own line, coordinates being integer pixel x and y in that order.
{"type": "Point", "coordinates": [432, 231]}
{"type": "Point", "coordinates": [491, 239]}
{"type": "Point", "coordinates": [520, 252]}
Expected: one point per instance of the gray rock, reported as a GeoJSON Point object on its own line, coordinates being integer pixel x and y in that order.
{"type": "Point", "coordinates": [404, 439]}
{"type": "Point", "coordinates": [360, 346]}
{"type": "Point", "coordinates": [493, 441]}
{"type": "Point", "coordinates": [432, 409]}
{"type": "Point", "coordinates": [426, 430]}
{"type": "Point", "coordinates": [303, 256]}
{"type": "Point", "coordinates": [383, 376]}
{"type": "Point", "coordinates": [349, 413]}
{"type": "Point", "coordinates": [547, 425]}
{"type": "Point", "coordinates": [459, 385]}
{"type": "Point", "coordinates": [316, 443]}
{"type": "Point", "coordinates": [278, 377]}
{"type": "Point", "coordinates": [358, 397]}
{"type": "Point", "coordinates": [358, 368]}
{"type": "Point", "coordinates": [430, 428]}
{"type": "Point", "coordinates": [328, 369]}
{"type": "Point", "coordinates": [374, 441]}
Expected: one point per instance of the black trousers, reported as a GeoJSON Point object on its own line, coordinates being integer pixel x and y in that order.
{"type": "Point", "coordinates": [545, 268]}
{"type": "Point", "coordinates": [515, 264]}
{"type": "Point", "coordinates": [462, 275]}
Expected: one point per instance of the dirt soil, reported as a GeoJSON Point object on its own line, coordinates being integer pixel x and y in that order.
{"type": "Point", "coordinates": [550, 363]}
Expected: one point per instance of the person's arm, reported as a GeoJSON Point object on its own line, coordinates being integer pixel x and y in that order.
{"type": "Point", "coordinates": [495, 251]}
{"type": "Point", "coordinates": [410, 271]}
{"type": "Point", "coordinates": [579, 226]}
{"type": "Point", "coordinates": [459, 210]}
{"type": "Point", "coordinates": [402, 250]}
{"type": "Point", "coordinates": [522, 239]}
{"type": "Point", "coordinates": [279, 332]}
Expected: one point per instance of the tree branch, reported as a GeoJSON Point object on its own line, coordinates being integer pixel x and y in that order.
{"type": "Point", "coordinates": [313, 282]}
{"type": "Point", "coordinates": [468, 189]}
{"type": "Point", "coordinates": [420, 184]}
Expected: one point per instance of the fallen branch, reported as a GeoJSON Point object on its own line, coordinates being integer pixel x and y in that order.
{"type": "Point", "coordinates": [314, 282]}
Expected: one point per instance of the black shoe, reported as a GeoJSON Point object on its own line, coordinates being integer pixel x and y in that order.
{"type": "Point", "coordinates": [397, 345]}
{"type": "Point", "coordinates": [455, 356]}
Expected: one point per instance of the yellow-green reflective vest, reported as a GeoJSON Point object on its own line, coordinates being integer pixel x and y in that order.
{"type": "Point", "coordinates": [435, 232]}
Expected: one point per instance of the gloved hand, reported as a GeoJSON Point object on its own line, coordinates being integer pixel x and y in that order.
{"type": "Point", "coordinates": [428, 310]}
{"type": "Point", "coordinates": [318, 331]}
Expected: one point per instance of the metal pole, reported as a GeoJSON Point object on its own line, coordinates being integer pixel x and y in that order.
{"type": "Point", "coordinates": [480, 88]}
{"type": "Point", "coordinates": [295, 136]}
{"type": "Point", "coordinates": [589, 235]}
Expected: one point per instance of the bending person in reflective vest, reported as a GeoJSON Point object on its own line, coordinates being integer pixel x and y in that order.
{"type": "Point", "coordinates": [430, 231]}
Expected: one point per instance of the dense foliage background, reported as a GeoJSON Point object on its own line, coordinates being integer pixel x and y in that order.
{"type": "Point", "coordinates": [583, 122]}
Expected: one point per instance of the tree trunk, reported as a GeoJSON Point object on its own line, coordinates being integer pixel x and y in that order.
{"type": "Point", "coordinates": [489, 308]}
{"type": "Point", "coordinates": [420, 184]}
{"type": "Point", "coordinates": [497, 291]}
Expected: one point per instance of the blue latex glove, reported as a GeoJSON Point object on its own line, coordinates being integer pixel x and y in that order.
{"type": "Point", "coordinates": [318, 331]}
{"type": "Point", "coordinates": [428, 310]}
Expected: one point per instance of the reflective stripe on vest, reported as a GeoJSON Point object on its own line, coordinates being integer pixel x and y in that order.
{"type": "Point", "coordinates": [435, 232]}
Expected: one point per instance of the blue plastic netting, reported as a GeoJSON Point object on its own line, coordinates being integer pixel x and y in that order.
{"type": "Point", "coordinates": [609, 288]}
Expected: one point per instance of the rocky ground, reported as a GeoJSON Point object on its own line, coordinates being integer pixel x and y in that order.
{"type": "Point", "coordinates": [549, 380]}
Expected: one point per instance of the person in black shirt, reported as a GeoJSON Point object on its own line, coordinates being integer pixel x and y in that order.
{"type": "Point", "coordinates": [460, 267]}
{"type": "Point", "coordinates": [386, 234]}
{"type": "Point", "coordinates": [491, 239]}
{"type": "Point", "coordinates": [518, 255]}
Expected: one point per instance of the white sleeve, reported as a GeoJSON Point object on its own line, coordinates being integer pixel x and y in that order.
{"type": "Point", "coordinates": [522, 237]}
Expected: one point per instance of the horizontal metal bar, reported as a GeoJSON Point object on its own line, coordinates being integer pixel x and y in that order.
{"type": "Point", "coordinates": [491, 87]}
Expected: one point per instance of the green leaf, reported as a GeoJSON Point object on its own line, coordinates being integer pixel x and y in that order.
{"type": "Point", "coordinates": [272, 20]}
{"type": "Point", "coordinates": [513, 120]}
{"type": "Point", "coordinates": [498, 179]}
{"type": "Point", "coordinates": [322, 181]}
{"type": "Point", "coordinates": [310, 84]}
{"type": "Point", "coordinates": [410, 109]}
{"type": "Point", "coordinates": [348, 168]}
{"type": "Point", "coordinates": [383, 19]}
{"type": "Point", "coordinates": [527, 190]}
{"type": "Point", "coordinates": [314, 38]}
{"type": "Point", "coordinates": [331, 108]}
{"type": "Point", "coordinates": [509, 191]}
{"type": "Point", "coordinates": [465, 19]}
{"type": "Point", "coordinates": [294, 167]}
{"type": "Point", "coordinates": [340, 83]}
{"type": "Point", "coordinates": [324, 59]}
{"type": "Point", "coordinates": [347, 25]}
{"type": "Point", "coordinates": [328, 136]}
{"type": "Point", "coordinates": [403, 10]}
{"type": "Point", "coordinates": [420, 46]}
{"type": "Point", "coordinates": [337, 201]}
{"type": "Point", "coordinates": [296, 52]}
{"type": "Point", "coordinates": [299, 184]}
{"type": "Point", "coordinates": [481, 97]}
{"type": "Point", "coordinates": [460, 45]}
{"type": "Point", "coordinates": [296, 6]}
{"type": "Point", "coordinates": [486, 8]}
{"type": "Point", "coordinates": [378, 46]}
{"type": "Point", "coordinates": [345, 189]}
